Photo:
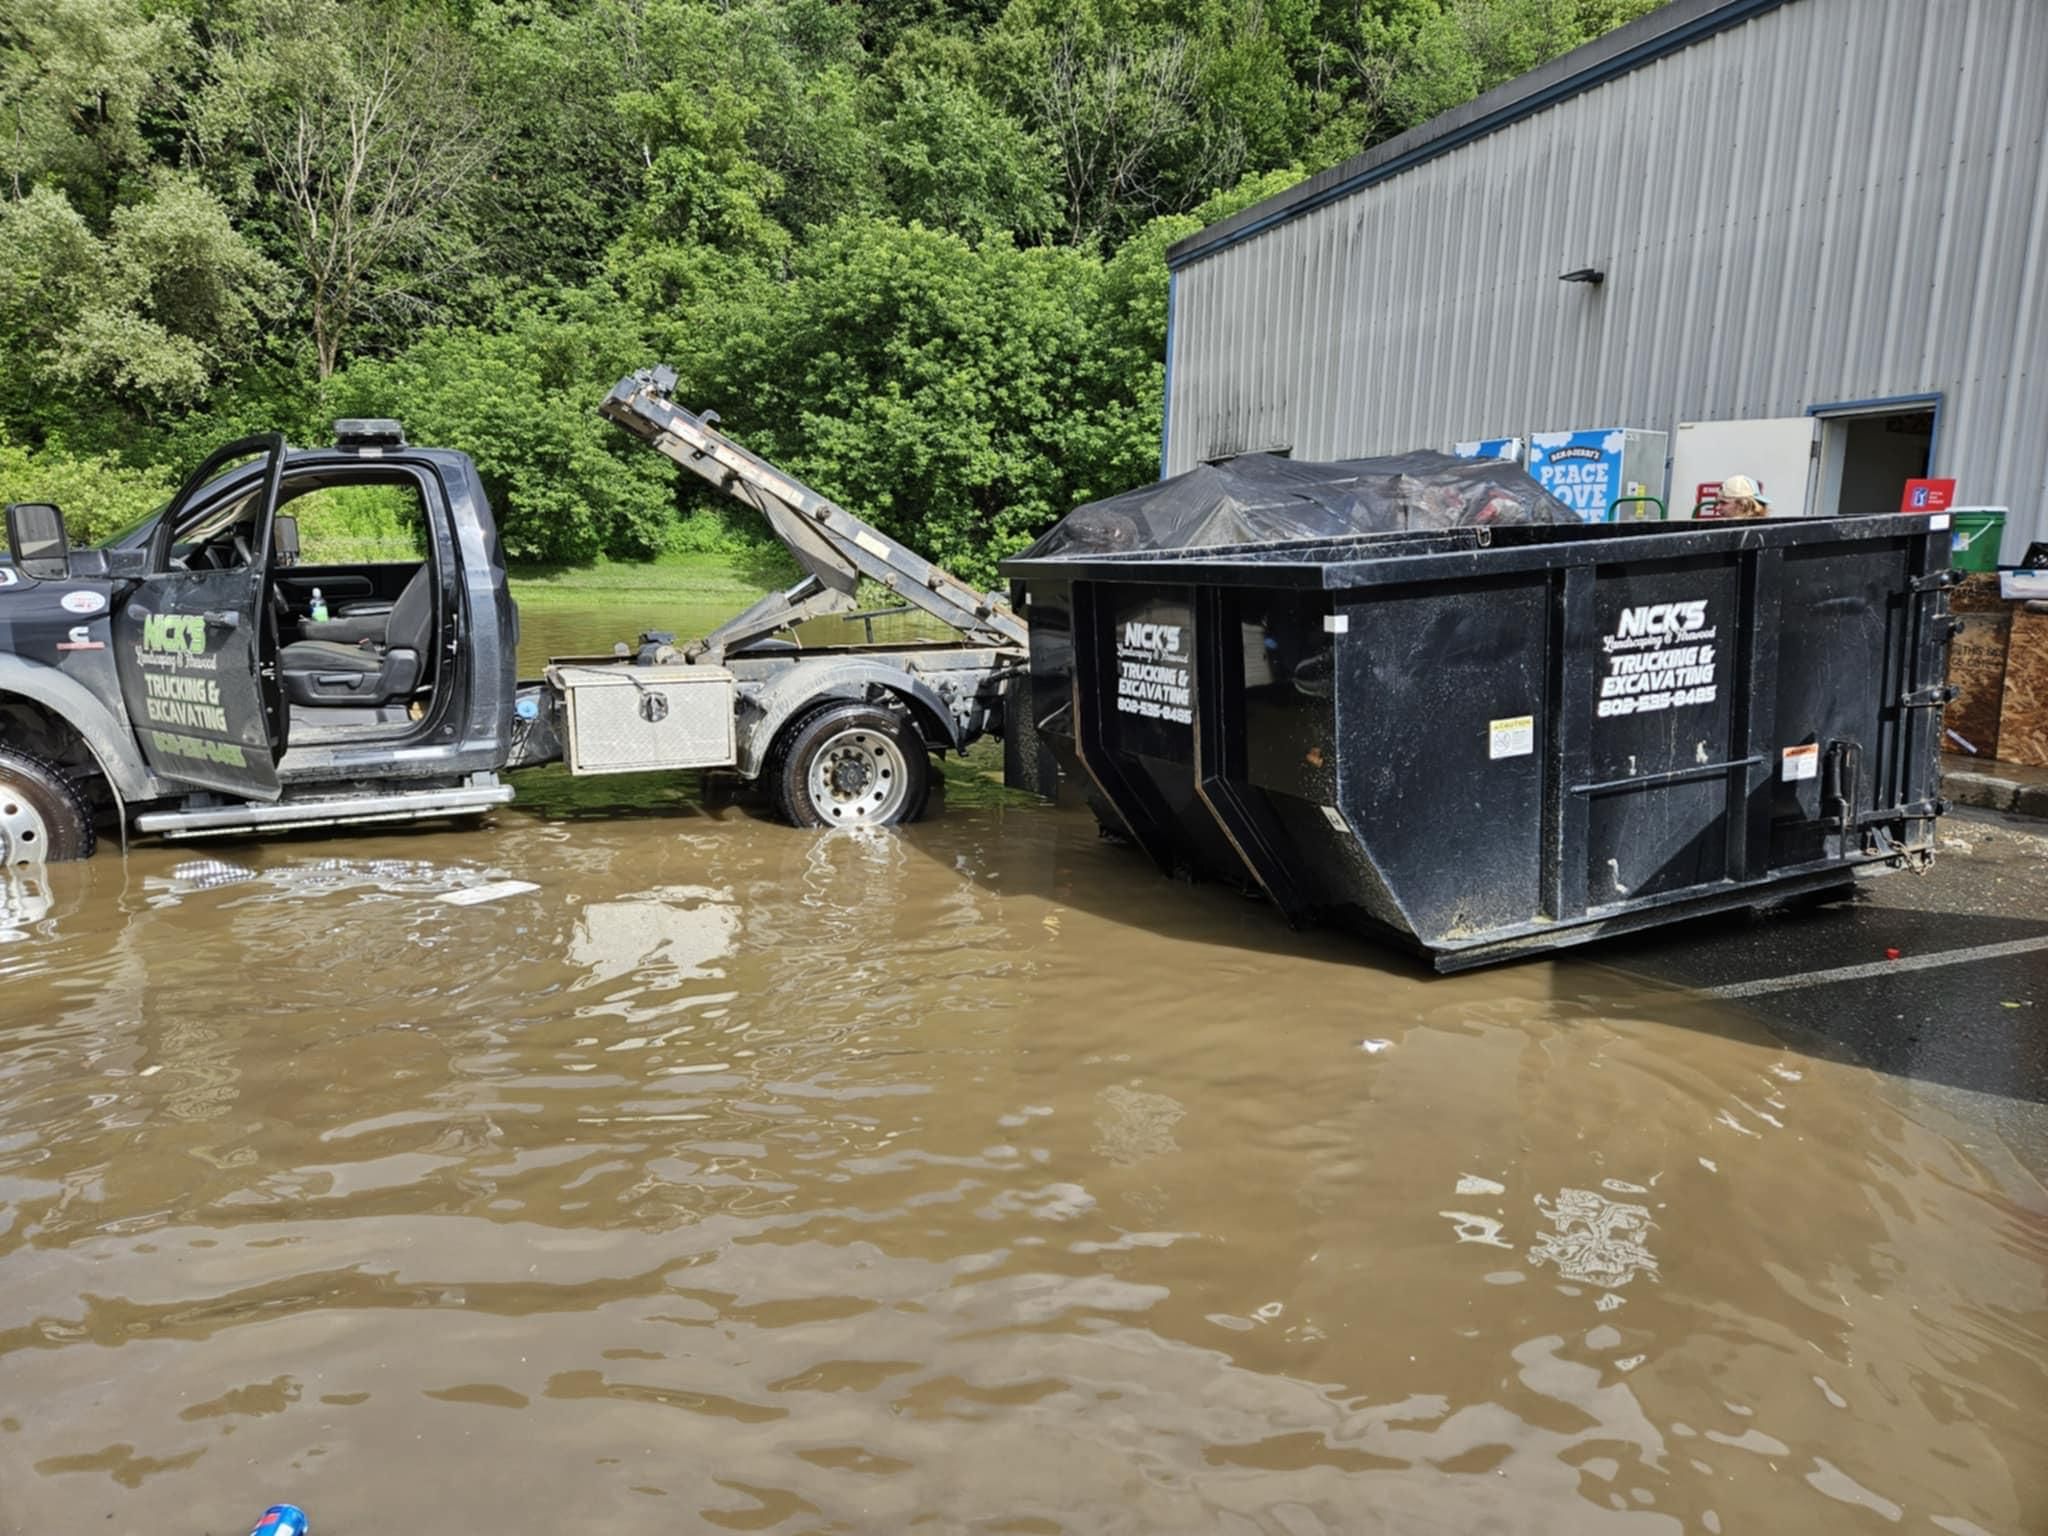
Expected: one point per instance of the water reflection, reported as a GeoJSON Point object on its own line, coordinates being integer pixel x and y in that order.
{"type": "Point", "coordinates": [25, 901]}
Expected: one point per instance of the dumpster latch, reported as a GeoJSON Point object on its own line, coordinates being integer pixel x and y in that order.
{"type": "Point", "coordinates": [1937, 581]}
{"type": "Point", "coordinates": [1911, 810]}
{"type": "Point", "coordinates": [1931, 697]}
{"type": "Point", "coordinates": [1839, 773]}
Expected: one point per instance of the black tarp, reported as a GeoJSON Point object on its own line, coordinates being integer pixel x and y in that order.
{"type": "Point", "coordinates": [1260, 498]}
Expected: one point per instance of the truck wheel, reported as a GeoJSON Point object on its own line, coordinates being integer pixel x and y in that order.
{"type": "Point", "coordinates": [42, 818]}
{"type": "Point", "coordinates": [852, 765]}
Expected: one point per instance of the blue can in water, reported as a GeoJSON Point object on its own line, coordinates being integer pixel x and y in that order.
{"type": "Point", "coordinates": [283, 1520]}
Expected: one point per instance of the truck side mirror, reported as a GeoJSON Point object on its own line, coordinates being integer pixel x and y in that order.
{"type": "Point", "coordinates": [284, 538]}
{"type": "Point", "coordinates": [37, 542]}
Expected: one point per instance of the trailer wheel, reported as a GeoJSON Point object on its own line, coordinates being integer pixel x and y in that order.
{"type": "Point", "coordinates": [42, 818]}
{"type": "Point", "coordinates": [851, 765]}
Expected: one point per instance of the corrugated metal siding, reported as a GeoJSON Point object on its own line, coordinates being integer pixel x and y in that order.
{"type": "Point", "coordinates": [1837, 200]}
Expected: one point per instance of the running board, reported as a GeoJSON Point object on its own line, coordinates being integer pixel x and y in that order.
{"type": "Point", "coordinates": [418, 805]}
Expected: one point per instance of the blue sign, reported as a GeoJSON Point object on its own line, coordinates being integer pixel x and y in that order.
{"type": "Point", "coordinates": [1509, 448]}
{"type": "Point", "coordinates": [1581, 469]}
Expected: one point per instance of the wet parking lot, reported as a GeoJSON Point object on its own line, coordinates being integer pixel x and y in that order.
{"type": "Point", "coordinates": [974, 1178]}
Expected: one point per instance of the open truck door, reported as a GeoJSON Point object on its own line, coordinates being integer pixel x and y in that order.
{"type": "Point", "coordinates": [196, 642]}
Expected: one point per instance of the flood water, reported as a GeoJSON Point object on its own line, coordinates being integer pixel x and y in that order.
{"type": "Point", "coordinates": [965, 1179]}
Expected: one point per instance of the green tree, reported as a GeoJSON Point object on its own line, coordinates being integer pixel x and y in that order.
{"type": "Point", "coordinates": [183, 298]}
{"type": "Point", "coordinates": [155, 313]}
{"type": "Point", "coordinates": [953, 160]}
{"type": "Point", "coordinates": [565, 171]}
{"type": "Point", "coordinates": [517, 397]}
{"type": "Point", "coordinates": [368, 147]}
{"type": "Point", "coordinates": [926, 382]}
{"type": "Point", "coordinates": [97, 493]}
{"type": "Point", "coordinates": [76, 77]}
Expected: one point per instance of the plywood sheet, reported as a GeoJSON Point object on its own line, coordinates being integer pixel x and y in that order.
{"type": "Point", "coordinates": [1978, 593]}
{"type": "Point", "coordinates": [1976, 669]}
{"type": "Point", "coordinates": [2023, 722]}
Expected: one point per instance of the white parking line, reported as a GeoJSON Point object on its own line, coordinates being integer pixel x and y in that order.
{"type": "Point", "coordinates": [1878, 968]}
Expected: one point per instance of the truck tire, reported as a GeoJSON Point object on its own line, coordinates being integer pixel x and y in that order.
{"type": "Point", "coordinates": [851, 765]}
{"type": "Point", "coordinates": [42, 818]}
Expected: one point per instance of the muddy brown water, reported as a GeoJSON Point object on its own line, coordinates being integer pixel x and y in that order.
{"type": "Point", "coordinates": [964, 1179]}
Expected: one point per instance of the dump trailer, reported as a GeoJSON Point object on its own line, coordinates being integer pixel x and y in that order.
{"type": "Point", "coordinates": [1487, 741]}
{"type": "Point", "coordinates": [201, 676]}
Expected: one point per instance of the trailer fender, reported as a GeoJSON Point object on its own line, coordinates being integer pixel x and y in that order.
{"type": "Point", "coordinates": [807, 683]}
{"type": "Point", "coordinates": [109, 740]}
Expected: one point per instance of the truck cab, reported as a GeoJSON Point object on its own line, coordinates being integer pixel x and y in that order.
{"type": "Point", "coordinates": [178, 674]}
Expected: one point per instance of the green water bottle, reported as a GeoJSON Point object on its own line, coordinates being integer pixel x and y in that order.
{"type": "Point", "coordinates": [319, 607]}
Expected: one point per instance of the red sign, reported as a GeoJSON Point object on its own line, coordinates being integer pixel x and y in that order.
{"type": "Point", "coordinates": [1709, 492]}
{"type": "Point", "coordinates": [1928, 496]}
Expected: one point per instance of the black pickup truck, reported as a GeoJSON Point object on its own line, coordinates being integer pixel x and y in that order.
{"type": "Point", "coordinates": [177, 681]}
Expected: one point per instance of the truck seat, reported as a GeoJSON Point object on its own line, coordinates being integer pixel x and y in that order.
{"type": "Point", "coordinates": [354, 623]}
{"type": "Point", "coordinates": [385, 666]}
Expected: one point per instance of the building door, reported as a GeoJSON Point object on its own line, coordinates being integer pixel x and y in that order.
{"type": "Point", "coordinates": [1777, 452]}
{"type": "Point", "coordinates": [1868, 453]}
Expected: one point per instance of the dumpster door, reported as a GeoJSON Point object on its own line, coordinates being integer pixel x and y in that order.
{"type": "Point", "coordinates": [1780, 453]}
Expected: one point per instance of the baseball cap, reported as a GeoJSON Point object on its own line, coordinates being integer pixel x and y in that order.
{"type": "Point", "coordinates": [1740, 487]}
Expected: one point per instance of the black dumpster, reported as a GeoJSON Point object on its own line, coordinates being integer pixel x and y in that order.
{"type": "Point", "coordinates": [1482, 731]}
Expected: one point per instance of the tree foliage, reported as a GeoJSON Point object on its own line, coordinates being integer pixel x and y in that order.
{"type": "Point", "coordinates": [915, 248]}
{"type": "Point", "coordinates": [931, 382]}
{"type": "Point", "coordinates": [98, 493]}
{"type": "Point", "coordinates": [156, 311]}
{"type": "Point", "coordinates": [366, 149]}
{"type": "Point", "coordinates": [77, 78]}
{"type": "Point", "coordinates": [516, 395]}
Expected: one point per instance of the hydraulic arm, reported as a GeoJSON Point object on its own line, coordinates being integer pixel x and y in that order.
{"type": "Point", "coordinates": [834, 548]}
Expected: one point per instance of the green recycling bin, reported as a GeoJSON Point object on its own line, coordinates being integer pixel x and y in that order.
{"type": "Point", "coordinates": [1978, 532]}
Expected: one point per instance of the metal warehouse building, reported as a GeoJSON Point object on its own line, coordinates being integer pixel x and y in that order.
{"type": "Point", "coordinates": [1824, 221]}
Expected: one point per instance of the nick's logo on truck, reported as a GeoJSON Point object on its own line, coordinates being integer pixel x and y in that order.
{"type": "Point", "coordinates": [1662, 621]}
{"type": "Point", "coordinates": [178, 633]}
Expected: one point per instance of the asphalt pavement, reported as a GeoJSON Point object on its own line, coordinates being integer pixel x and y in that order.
{"type": "Point", "coordinates": [1939, 979]}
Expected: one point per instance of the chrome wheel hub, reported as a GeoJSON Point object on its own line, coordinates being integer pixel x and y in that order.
{"type": "Point", "coordinates": [858, 776]}
{"type": "Point", "coordinates": [24, 838]}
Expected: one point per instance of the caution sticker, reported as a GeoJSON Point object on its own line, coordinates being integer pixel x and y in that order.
{"type": "Point", "coordinates": [1798, 763]}
{"type": "Point", "coordinates": [1512, 737]}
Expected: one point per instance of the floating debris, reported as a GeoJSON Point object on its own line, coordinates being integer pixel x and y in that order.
{"type": "Point", "coordinates": [1477, 1229]}
{"type": "Point", "coordinates": [1596, 1240]}
{"type": "Point", "coordinates": [497, 890]}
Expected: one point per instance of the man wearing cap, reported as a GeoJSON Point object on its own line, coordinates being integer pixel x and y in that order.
{"type": "Point", "coordinates": [1739, 497]}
